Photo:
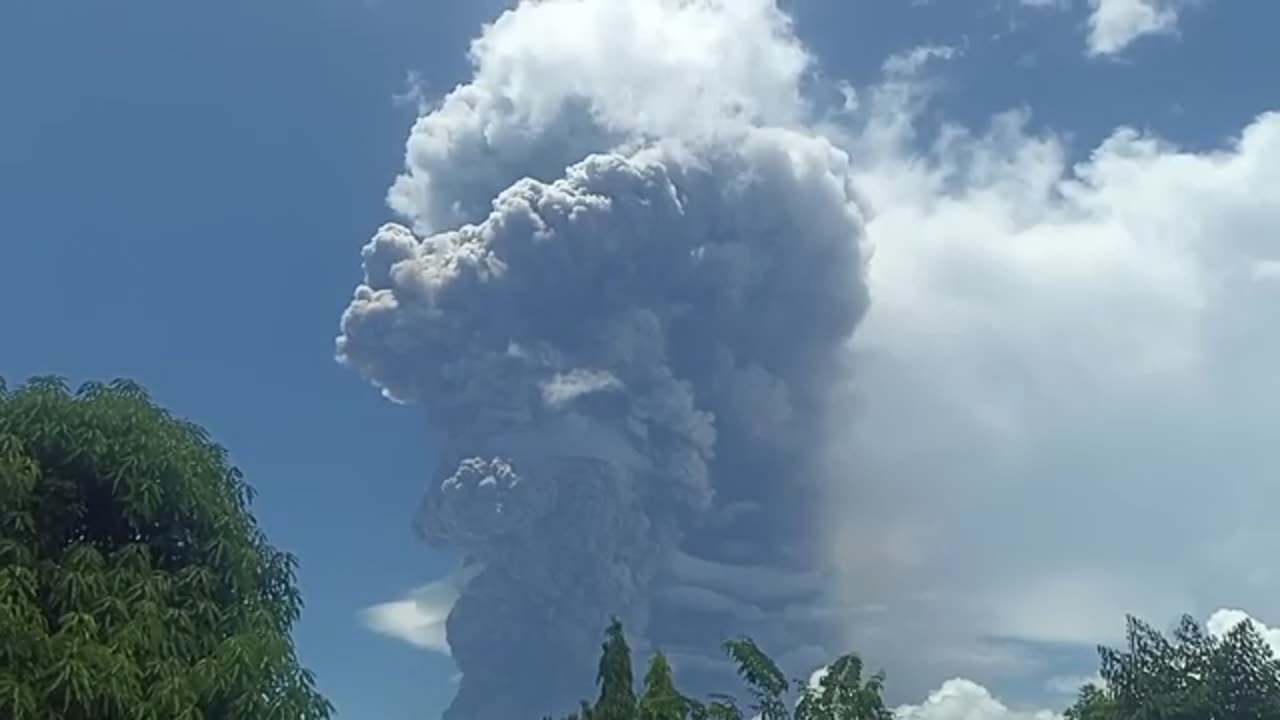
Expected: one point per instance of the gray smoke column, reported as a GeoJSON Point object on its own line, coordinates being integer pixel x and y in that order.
{"type": "Point", "coordinates": [624, 290]}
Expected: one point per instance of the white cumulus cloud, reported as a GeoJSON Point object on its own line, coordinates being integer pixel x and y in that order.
{"type": "Point", "coordinates": [1223, 621]}
{"type": "Point", "coordinates": [1115, 24]}
{"type": "Point", "coordinates": [1056, 347]}
{"type": "Point", "coordinates": [960, 699]}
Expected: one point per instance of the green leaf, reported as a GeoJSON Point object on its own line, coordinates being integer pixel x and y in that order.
{"type": "Point", "coordinates": [18, 700]}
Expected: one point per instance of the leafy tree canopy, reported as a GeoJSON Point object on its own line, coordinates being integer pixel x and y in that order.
{"type": "Point", "coordinates": [1190, 676]}
{"type": "Point", "coordinates": [134, 582]}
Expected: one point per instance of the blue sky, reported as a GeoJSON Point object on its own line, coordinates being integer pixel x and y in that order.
{"type": "Point", "coordinates": [212, 171]}
{"type": "Point", "coordinates": [184, 192]}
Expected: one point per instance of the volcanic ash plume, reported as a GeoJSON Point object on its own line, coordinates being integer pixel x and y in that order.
{"type": "Point", "coordinates": [624, 355]}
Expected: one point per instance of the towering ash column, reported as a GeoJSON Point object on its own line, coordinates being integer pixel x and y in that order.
{"type": "Point", "coordinates": [622, 294]}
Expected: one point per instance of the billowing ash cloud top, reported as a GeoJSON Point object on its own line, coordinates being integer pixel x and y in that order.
{"type": "Point", "coordinates": [621, 297]}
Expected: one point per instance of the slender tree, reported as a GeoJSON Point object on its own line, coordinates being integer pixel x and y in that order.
{"type": "Point", "coordinates": [617, 699]}
{"type": "Point", "coordinates": [765, 680]}
{"type": "Point", "coordinates": [134, 582]}
{"type": "Point", "coordinates": [660, 700]}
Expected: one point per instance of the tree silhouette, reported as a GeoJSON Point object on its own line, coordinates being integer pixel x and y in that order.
{"type": "Point", "coordinates": [617, 695]}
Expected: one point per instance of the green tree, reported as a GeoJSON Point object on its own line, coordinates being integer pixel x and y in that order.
{"type": "Point", "coordinates": [1190, 676]}
{"type": "Point", "coordinates": [841, 694]}
{"type": "Point", "coordinates": [134, 582]}
{"type": "Point", "coordinates": [765, 680]}
{"type": "Point", "coordinates": [1245, 676]}
{"type": "Point", "coordinates": [660, 700]}
{"type": "Point", "coordinates": [1093, 703]}
{"type": "Point", "coordinates": [617, 699]}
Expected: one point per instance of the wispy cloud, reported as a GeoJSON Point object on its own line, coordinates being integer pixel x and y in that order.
{"type": "Point", "coordinates": [419, 618]}
{"type": "Point", "coordinates": [1115, 24]}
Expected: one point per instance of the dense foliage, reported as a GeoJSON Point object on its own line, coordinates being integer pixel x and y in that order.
{"type": "Point", "coordinates": [134, 582]}
{"type": "Point", "coordinates": [1191, 676]}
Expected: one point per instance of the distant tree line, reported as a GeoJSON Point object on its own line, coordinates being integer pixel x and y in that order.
{"type": "Point", "coordinates": [841, 693]}
{"type": "Point", "coordinates": [135, 584]}
{"type": "Point", "coordinates": [1188, 676]}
